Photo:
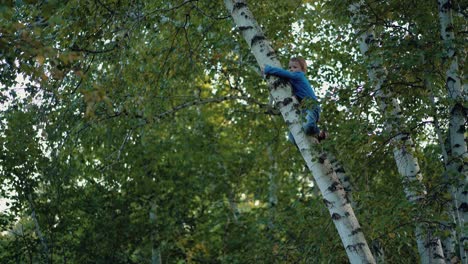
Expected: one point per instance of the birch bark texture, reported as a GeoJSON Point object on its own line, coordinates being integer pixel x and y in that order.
{"type": "Point", "coordinates": [449, 242]}
{"type": "Point", "coordinates": [272, 188]}
{"type": "Point", "coordinates": [458, 154]}
{"type": "Point", "coordinates": [342, 176]}
{"type": "Point", "coordinates": [429, 247]}
{"type": "Point", "coordinates": [37, 229]}
{"type": "Point", "coordinates": [333, 193]}
{"type": "Point", "coordinates": [155, 248]}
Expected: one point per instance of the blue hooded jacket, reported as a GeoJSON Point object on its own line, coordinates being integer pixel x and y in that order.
{"type": "Point", "coordinates": [301, 86]}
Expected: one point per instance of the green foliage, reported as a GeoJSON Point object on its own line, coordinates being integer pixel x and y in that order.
{"type": "Point", "coordinates": [135, 107]}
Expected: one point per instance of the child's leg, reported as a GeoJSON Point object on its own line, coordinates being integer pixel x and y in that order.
{"type": "Point", "coordinates": [310, 126]}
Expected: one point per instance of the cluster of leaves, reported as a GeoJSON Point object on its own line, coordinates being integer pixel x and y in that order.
{"type": "Point", "coordinates": [143, 129]}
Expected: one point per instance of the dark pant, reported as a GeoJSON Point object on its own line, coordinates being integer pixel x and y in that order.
{"type": "Point", "coordinates": [310, 117]}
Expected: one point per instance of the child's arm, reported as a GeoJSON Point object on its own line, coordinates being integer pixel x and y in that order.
{"type": "Point", "coordinates": [281, 72]}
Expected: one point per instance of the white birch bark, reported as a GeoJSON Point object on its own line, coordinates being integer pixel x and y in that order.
{"type": "Point", "coordinates": [375, 247]}
{"type": "Point", "coordinates": [429, 248]}
{"type": "Point", "coordinates": [234, 208]}
{"type": "Point", "coordinates": [37, 228]}
{"type": "Point", "coordinates": [458, 155]}
{"type": "Point", "coordinates": [272, 188]}
{"type": "Point", "coordinates": [342, 176]}
{"type": "Point", "coordinates": [448, 244]}
{"type": "Point", "coordinates": [155, 249]}
{"type": "Point", "coordinates": [339, 208]}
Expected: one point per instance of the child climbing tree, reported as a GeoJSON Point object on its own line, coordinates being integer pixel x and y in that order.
{"type": "Point", "coordinates": [333, 193]}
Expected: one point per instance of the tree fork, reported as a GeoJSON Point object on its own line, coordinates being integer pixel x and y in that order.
{"type": "Point", "coordinates": [333, 193]}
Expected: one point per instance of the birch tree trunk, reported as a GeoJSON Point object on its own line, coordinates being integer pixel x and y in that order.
{"type": "Point", "coordinates": [155, 248]}
{"type": "Point", "coordinates": [430, 248]}
{"type": "Point", "coordinates": [233, 206]}
{"type": "Point", "coordinates": [448, 244]}
{"type": "Point", "coordinates": [334, 197]}
{"type": "Point", "coordinates": [37, 228]}
{"type": "Point", "coordinates": [272, 188]}
{"type": "Point", "coordinates": [342, 176]}
{"type": "Point", "coordinates": [458, 155]}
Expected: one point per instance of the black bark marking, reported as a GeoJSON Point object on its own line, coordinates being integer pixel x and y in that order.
{"type": "Point", "coordinates": [287, 101]}
{"type": "Point", "coordinates": [322, 158]}
{"type": "Point", "coordinates": [342, 170]}
{"type": "Point", "coordinates": [463, 207]}
{"type": "Point", "coordinates": [355, 231]}
{"type": "Point", "coordinates": [355, 247]}
{"type": "Point", "coordinates": [270, 54]}
{"type": "Point", "coordinates": [347, 214]}
{"type": "Point", "coordinates": [446, 6]}
{"type": "Point", "coordinates": [405, 137]}
{"type": "Point", "coordinates": [369, 38]}
{"type": "Point", "coordinates": [298, 112]}
{"type": "Point", "coordinates": [461, 129]}
{"type": "Point", "coordinates": [327, 203]}
{"type": "Point", "coordinates": [288, 123]}
{"type": "Point", "coordinates": [346, 197]}
{"type": "Point", "coordinates": [256, 39]}
{"type": "Point", "coordinates": [239, 5]}
{"type": "Point", "coordinates": [279, 82]}
{"type": "Point", "coordinates": [457, 108]}
{"type": "Point", "coordinates": [336, 216]}
{"type": "Point", "coordinates": [432, 243]}
{"type": "Point", "coordinates": [449, 28]}
{"type": "Point", "coordinates": [334, 186]}
{"type": "Point", "coordinates": [244, 28]}
{"type": "Point", "coordinates": [451, 80]}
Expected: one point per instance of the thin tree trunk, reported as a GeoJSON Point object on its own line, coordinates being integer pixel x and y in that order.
{"type": "Point", "coordinates": [448, 244]}
{"type": "Point", "coordinates": [458, 155]}
{"type": "Point", "coordinates": [38, 231]}
{"type": "Point", "coordinates": [233, 206]}
{"type": "Point", "coordinates": [155, 248]}
{"type": "Point", "coordinates": [339, 208]}
{"type": "Point", "coordinates": [430, 248]}
{"type": "Point", "coordinates": [272, 187]}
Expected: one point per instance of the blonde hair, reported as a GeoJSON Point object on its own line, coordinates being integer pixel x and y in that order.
{"type": "Point", "coordinates": [302, 62]}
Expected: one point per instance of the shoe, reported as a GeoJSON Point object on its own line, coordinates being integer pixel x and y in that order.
{"type": "Point", "coordinates": [322, 135]}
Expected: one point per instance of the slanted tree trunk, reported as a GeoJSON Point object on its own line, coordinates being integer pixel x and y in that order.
{"type": "Point", "coordinates": [430, 248]}
{"type": "Point", "coordinates": [342, 176]}
{"type": "Point", "coordinates": [458, 155]}
{"type": "Point", "coordinates": [333, 193]}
